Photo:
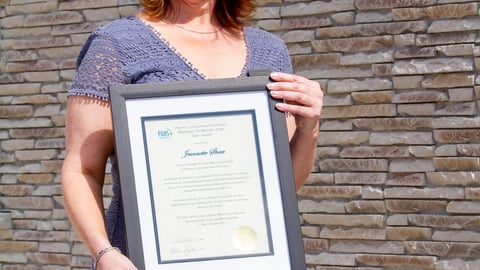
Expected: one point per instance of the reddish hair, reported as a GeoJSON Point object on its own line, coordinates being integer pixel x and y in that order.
{"type": "Point", "coordinates": [229, 13]}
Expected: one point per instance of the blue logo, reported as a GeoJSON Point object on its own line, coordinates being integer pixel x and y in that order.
{"type": "Point", "coordinates": [164, 133]}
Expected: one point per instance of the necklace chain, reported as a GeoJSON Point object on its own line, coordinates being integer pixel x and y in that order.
{"type": "Point", "coordinates": [190, 30]}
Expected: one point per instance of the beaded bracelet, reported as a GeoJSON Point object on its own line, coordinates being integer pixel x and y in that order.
{"type": "Point", "coordinates": [100, 254]}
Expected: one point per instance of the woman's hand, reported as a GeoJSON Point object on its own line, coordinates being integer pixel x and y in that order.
{"type": "Point", "coordinates": [303, 99]}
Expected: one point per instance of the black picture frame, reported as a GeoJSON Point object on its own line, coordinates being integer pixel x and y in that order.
{"type": "Point", "coordinates": [184, 106]}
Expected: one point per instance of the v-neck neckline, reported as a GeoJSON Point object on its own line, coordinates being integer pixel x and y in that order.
{"type": "Point", "coordinates": [185, 60]}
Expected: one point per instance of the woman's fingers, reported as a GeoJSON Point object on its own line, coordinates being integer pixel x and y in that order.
{"type": "Point", "coordinates": [303, 97]}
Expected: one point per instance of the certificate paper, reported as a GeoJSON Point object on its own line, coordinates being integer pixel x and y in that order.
{"type": "Point", "coordinates": [207, 186]}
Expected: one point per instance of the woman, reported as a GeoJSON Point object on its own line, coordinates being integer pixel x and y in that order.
{"type": "Point", "coordinates": [167, 41]}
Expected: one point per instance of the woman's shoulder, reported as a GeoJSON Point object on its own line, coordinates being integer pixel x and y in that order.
{"type": "Point", "coordinates": [259, 36]}
{"type": "Point", "coordinates": [120, 27]}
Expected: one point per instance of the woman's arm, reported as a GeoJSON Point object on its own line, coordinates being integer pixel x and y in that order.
{"type": "Point", "coordinates": [89, 142]}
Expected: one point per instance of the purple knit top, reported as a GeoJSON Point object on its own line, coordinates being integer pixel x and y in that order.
{"type": "Point", "coordinates": [128, 51]}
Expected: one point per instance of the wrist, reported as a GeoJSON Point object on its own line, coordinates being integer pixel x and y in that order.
{"type": "Point", "coordinates": [102, 252]}
{"type": "Point", "coordinates": [308, 131]}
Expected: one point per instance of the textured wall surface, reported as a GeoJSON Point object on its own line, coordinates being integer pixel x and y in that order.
{"type": "Point", "coordinates": [396, 184]}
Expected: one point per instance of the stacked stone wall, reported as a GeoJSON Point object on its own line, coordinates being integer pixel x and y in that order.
{"type": "Point", "coordinates": [396, 183]}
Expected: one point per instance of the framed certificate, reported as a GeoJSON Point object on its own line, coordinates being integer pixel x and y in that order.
{"type": "Point", "coordinates": [206, 176]}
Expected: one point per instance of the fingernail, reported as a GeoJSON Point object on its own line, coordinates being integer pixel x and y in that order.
{"type": "Point", "coordinates": [270, 85]}
{"type": "Point", "coordinates": [274, 75]}
{"type": "Point", "coordinates": [274, 93]}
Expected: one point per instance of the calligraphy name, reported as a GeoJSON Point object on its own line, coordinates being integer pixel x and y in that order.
{"type": "Point", "coordinates": [214, 151]}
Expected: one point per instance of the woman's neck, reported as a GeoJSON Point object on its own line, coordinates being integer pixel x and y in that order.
{"type": "Point", "coordinates": [194, 13]}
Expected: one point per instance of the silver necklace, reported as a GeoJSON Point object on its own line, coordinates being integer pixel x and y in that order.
{"type": "Point", "coordinates": [190, 30]}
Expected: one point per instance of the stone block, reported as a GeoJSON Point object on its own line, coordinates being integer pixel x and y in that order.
{"type": "Point", "coordinates": [401, 138]}
{"type": "Point", "coordinates": [437, 65]}
{"type": "Point", "coordinates": [316, 8]}
{"type": "Point", "coordinates": [23, 203]}
{"type": "Point", "coordinates": [420, 97]}
{"type": "Point", "coordinates": [443, 249]}
{"type": "Point", "coordinates": [388, 261]}
{"type": "Point", "coordinates": [370, 207]}
{"type": "Point", "coordinates": [46, 42]}
{"type": "Point", "coordinates": [445, 222]}
{"type": "Point", "coordinates": [323, 206]}
{"type": "Point", "coordinates": [398, 123]}
{"type": "Point", "coordinates": [468, 149]}
{"type": "Point", "coordinates": [436, 12]}
{"type": "Point", "coordinates": [457, 136]}
{"type": "Point", "coordinates": [421, 151]}
{"type": "Point", "coordinates": [456, 50]}
{"type": "Point", "coordinates": [315, 245]}
{"type": "Point", "coordinates": [353, 44]}
{"type": "Point", "coordinates": [439, 26]}
{"type": "Point", "coordinates": [70, 29]}
{"type": "Point", "coordinates": [303, 22]}
{"type": "Point", "coordinates": [448, 80]}
{"type": "Point", "coordinates": [373, 97]}
{"type": "Point", "coordinates": [454, 264]}
{"type": "Point", "coordinates": [397, 220]}
{"type": "Point", "coordinates": [415, 206]}
{"type": "Point", "coordinates": [389, 4]}
{"type": "Point", "coordinates": [464, 207]}
{"type": "Point", "coordinates": [366, 58]}
{"type": "Point", "coordinates": [54, 18]}
{"type": "Point", "coordinates": [343, 138]}
{"type": "Point", "coordinates": [86, 4]}
{"type": "Point", "coordinates": [353, 233]}
{"type": "Point", "coordinates": [408, 233]}
{"type": "Point", "coordinates": [5, 221]}
{"type": "Point", "coordinates": [331, 259]}
{"type": "Point", "coordinates": [366, 178]}
{"type": "Point", "coordinates": [457, 163]}
{"type": "Point", "coordinates": [372, 193]}
{"type": "Point", "coordinates": [329, 192]}
{"type": "Point", "coordinates": [444, 38]}
{"type": "Point", "coordinates": [29, 7]}
{"type": "Point", "coordinates": [365, 246]}
{"type": "Point", "coordinates": [49, 258]}
{"type": "Point", "coordinates": [456, 236]}
{"type": "Point", "coordinates": [101, 14]}
{"type": "Point", "coordinates": [10, 257]}
{"type": "Point", "coordinates": [304, 61]}
{"type": "Point", "coordinates": [424, 193]}
{"type": "Point", "coordinates": [372, 17]}
{"type": "Point", "coordinates": [406, 179]}
{"type": "Point", "coordinates": [20, 111]}
{"type": "Point", "coordinates": [369, 221]}
{"type": "Point", "coordinates": [16, 190]}
{"type": "Point", "coordinates": [267, 13]}
{"type": "Point", "coordinates": [310, 231]}
{"type": "Point", "coordinates": [20, 89]}
{"type": "Point", "coordinates": [353, 85]}
{"type": "Point", "coordinates": [348, 165]}
{"type": "Point", "coordinates": [358, 111]}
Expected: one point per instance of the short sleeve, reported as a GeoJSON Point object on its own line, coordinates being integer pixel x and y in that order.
{"type": "Point", "coordinates": [285, 62]}
{"type": "Point", "coordinates": [99, 65]}
{"type": "Point", "coordinates": [267, 51]}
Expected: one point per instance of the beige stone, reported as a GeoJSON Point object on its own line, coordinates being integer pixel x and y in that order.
{"type": "Point", "coordinates": [423, 262]}
{"type": "Point", "coordinates": [345, 220]}
{"type": "Point", "coordinates": [408, 233]}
